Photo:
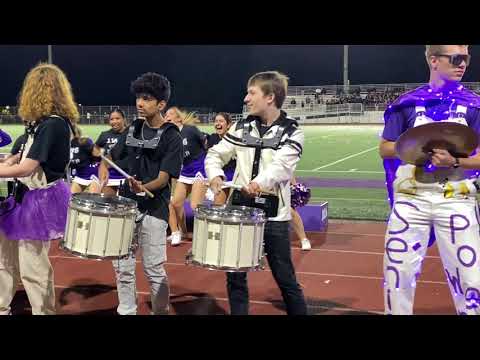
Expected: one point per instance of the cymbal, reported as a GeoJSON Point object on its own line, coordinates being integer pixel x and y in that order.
{"type": "Point", "coordinates": [414, 145]}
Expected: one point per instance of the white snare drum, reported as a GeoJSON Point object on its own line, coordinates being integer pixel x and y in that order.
{"type": "Point", "coordinates": [228, 238]}
{"type": "Point", "coordinates": [99, 226]}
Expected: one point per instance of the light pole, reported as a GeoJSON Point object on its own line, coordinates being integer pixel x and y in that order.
{"type": "Point", "coordinates": [346, 82]}
{"type": "Point", "coordinates": [50, 54]}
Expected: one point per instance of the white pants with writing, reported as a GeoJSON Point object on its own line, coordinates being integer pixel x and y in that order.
{"type": "Point", "coordinates": [456, 225]}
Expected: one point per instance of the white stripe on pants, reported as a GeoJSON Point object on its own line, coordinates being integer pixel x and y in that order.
{"type": "Point", "coordinates": [457, 233]}
{"type": "Point", "coordinates": [26, 261]}
{"type": "Point", "coordinates": [153, 242]}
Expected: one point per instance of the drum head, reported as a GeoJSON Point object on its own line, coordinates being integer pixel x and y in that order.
{"type": "Point", "coordinates": [103, 203]}
{"type": "Point", "coordinates": [230, 213]}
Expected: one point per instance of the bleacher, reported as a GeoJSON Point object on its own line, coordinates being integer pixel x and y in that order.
{"type": "Point", "coordinates": [326, 104]}
{"type": "Point", "coordinates": [339, 104]}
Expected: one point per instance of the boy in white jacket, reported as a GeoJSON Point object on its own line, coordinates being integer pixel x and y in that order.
{"type": "Point", "coordinates": [267, 146]}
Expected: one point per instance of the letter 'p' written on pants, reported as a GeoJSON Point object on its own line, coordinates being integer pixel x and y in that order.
{"type": "Point", "coordinates": [456, 226]}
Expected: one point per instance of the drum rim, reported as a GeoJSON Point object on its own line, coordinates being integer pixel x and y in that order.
{"type": "Point", "coordinates": [257, 217]}
{"type": "Point", "coordinates": [78, 203]}
{"type": "Point", "coordinates": [120, 213]}
{"type": "Point", "coordinates": [225, 268]}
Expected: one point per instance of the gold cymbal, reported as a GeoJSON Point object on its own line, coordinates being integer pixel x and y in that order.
{"type": "Point", "coordinates": [415, 144]}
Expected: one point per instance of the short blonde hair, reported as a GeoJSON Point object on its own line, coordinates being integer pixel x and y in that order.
{"type": "Point", "coordinates": [271, 82]}
{"type": "Point", "coordinates": [46, 91]}
{"type": "Point", "coordinates": [431, 50]}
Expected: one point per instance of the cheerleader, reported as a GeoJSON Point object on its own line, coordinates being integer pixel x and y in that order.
{"type": "Point", "coordinates": [84, 160]}
{"type": "Point", "coordinates": [222, 123]}
{"type": "Point", "coordinates": [106, 141]}
{"type": "Point", "coordinates": [300, 195]}
{"type": "Point", "coordinates": [192, 177]}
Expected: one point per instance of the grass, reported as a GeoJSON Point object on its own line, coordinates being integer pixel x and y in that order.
{"type": "Point", "coordinates": [330, 152]}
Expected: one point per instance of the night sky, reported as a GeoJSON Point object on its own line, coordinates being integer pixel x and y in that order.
{"type": "Point", "coordinates": [211, 75]}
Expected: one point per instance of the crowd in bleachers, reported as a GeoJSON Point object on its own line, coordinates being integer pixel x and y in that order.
{"type": "Point", "coordinates": [371, 96]}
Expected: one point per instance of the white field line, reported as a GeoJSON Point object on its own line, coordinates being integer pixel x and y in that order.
{"type": "Point", "coordinates": [346, 158]}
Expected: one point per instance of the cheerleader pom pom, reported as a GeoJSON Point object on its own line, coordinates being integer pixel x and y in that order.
{"type": "Point", "coordinates": [300, 195]}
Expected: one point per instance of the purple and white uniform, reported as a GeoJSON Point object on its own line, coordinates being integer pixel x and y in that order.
{"type": "Point", "coordinates": [107, 140]}
{"type": "Point", "coordinates": [84, 166]}
{"type": "Point", "coordinates": [193, 168]}
{"type": "Point", "coordinates": [429, 197]}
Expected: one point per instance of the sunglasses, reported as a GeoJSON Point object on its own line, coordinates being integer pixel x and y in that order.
{"type": "Point", "coordinates": [457, 59]}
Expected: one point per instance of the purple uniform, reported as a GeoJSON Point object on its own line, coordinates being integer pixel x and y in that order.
{"type": "Point", "coordinates": [194, 154]}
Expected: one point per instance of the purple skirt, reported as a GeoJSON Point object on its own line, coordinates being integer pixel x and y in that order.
{"type": "Point", "coordinates": [41, 216]}
{"type": "Point", "coordinates": [193, 167]}
{"type": "Point", "coordinates": [86, 172]}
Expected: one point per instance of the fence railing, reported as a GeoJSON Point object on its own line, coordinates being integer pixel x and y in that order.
{"type": "Point", "coordinates": [94, 118]}
{"type": "Point", "coordinates": [335, 89]}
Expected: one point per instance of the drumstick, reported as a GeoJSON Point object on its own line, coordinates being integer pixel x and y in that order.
{"type": "Point", "coordinates": [123, 173]}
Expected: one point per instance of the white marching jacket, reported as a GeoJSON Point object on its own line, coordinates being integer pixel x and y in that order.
{"type": "Point", "coordinates": [277, 153]}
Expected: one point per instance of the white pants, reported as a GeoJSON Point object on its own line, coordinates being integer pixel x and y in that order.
{"type": "Point", "coordinates": [456, 226]}
{"type": "Point", "coordinates": [28, 262]}
{"type": "Point", "coordinates": [153, 242]}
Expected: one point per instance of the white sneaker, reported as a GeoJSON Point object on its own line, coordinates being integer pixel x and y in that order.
{"type": "Point", "coordinates": [176, 238]}
{"type": "Point", "coordinates": [306, 244]}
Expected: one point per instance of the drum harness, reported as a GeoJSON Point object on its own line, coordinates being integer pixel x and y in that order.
{"type": "Point", "coordinates": [139, 145]}
{"type": "Point", "coordinates": [267, 203]}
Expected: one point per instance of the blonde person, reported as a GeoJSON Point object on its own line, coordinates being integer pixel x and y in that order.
{"type": "Point", "coordinates": [439, 195]}
{"type": "Point", "coordinates": [192, 179]}
{"type": "Point", "coordinates": [38, 212]}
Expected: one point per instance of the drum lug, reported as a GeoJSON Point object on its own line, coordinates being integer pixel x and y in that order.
{"type": "Point", "coordinates": [263, 263]}
{"type": "Point", "coordinates": [189, 257]}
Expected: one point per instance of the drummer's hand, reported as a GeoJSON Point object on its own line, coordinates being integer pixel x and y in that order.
{"type": "Point", "coordinates": [216, 184]}
{"type": "Point", "coordinates": [251, 189]}
{"type": "Point", "coordinates": [135, 185]}
{"type": "Point", "coordinates": [442, 158]}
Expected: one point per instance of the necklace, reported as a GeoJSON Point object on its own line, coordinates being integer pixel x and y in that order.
{"type": "Point", "coordinates": [143, 137]}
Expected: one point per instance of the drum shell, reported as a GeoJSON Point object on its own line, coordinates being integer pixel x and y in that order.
{"type": "Point", "coordinates": [101, 234]}
{"type": "Point", "coordinates": [228, 244]}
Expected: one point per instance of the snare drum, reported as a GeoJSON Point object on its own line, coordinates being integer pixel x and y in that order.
{"type": "Point", "coordinates": [100, 226]}
{"type": "Point", "coordinates": [228, 238]}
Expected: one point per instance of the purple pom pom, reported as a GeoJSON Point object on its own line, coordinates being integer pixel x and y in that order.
{"type": "Point", "coordinates": [300, 195]}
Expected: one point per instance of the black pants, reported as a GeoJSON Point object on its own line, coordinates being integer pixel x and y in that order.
{"type": "Point", "coordinates": [277, 249]}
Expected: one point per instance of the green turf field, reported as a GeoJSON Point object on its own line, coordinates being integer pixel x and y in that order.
{"type": "Point", "coordinates": [330, 152]}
